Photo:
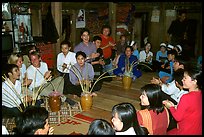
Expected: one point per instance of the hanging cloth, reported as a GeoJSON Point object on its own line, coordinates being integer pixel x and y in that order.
{"type": "Point", "coordinates": [50, 33]}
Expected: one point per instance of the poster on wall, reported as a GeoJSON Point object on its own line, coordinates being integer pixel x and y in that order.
{"type": "Point", "coordinates": [80, 20]}
{"type": "Point", "coordinates": [155, 15]}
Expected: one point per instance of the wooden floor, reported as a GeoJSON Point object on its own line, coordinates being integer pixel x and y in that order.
{"type": "Point", "coordinates": [113, 93]}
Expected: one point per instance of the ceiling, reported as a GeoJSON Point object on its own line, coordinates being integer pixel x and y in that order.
{"type": "Point", "coordinates": [84, 5]}
{"type": "Point", "coordinates": [143, 5]}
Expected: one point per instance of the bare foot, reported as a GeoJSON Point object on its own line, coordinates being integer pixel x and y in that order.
{"type": "Point", "coordinates": [118, 78]}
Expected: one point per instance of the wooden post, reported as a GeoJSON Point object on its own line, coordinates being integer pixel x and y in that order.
{"type": "Point", "coordinates": [73, 27]}
{"type": "Point", "coordinates": [112, 18]}
{"type": "Point", "coordinates": [56, 8]}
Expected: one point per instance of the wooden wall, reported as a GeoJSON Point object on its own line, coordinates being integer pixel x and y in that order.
{"type": "Point", "coordinates": [156, 31]}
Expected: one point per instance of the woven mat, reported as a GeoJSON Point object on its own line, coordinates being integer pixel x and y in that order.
{"type": "Point", "coordinates": [73, 125]}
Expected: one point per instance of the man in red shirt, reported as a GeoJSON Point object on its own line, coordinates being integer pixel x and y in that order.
{"type": "Point", "coordinates": [107, 45]}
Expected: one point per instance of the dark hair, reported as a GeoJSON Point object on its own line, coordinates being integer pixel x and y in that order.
{"type": "Point", "coordinates": [178, 76]}
{"type": "Point", "coordinates": [106, 26]}
{"type": "Point", "coordinates": [100, 127]}
{"type": "Point", "coordinates": [8, 69]}
{"type": "Point", "coordinates": [29, 47]}
{"type": "Point", "coordinates": [65, 42]}
{"type": "Point", "coordinates": [153, 92]}
{"type": "Point", "coordinates": [122, 36]}
{"type": "Point", "coordinates": [34, 53]}
{"type": "Point", "coordinates": [172, 52]}
{"type": "Point", "coordinates": [148, 43]}
{"type": "Point", "coordinates": [181, 60]}
{"type": "Point", "coordinates": [32, 119]}
{"type": "Point", "coordinates": [195, 74]}
{"type": "Point", "coordinates": [131, 48]}
{"type": "Point", "coordinates": [180, 12]}
{"type": "Point", "coordinates": [97, 38]}
{"type": "Point", "coordinates": [127, 114]}
{"type": "Point", "coordinates": [84, 30]}
{"type": "Point", "coordinates": [80, 53]}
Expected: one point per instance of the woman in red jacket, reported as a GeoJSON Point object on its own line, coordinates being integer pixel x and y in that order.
{"type": "Point", "coordinates": [188, 113]}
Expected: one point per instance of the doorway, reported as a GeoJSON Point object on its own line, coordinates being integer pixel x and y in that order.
{"type": "Point", "coordinates": [140, 29]}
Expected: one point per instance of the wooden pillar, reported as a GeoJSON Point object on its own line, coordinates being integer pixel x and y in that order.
{"type": "Point", "coordinates": [56, 8]}
{"type": "Point", "coordinates": [73, 27]}
{"type": "Point", "coordinates": [112, 18]}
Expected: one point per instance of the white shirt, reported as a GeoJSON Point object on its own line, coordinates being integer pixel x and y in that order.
{"type": "Point", "coordinates": [143, 56]}
{"type": "Point", "coordinates": [172, 90]}
{"type": "Point", "coordinates": [37, 75]}
{"type": "Point", "coordinates": [22, 72]}
{"type": "Point", "coordinates": [11, 93]}
{"type": "Point", "coordinates": [68, 59]}
{"type": "Point", "coordinates": [130, 131]}
{"type": "Point", "coordinates": [4, 130]}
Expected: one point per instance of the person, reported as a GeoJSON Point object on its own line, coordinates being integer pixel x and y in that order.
{"type": "Point", "coordinates": [26, 54]}
{"type": "Point", "coordinates": [34, 121]}
{"type": "Point", "coordinates": [135, 48]}
{"type": "Point", "coordinates": [173, 88]}
{"type": "Point", "coordinates": [120, 48]}
{"type": "Point", "coordinates": [178, 48]}
{"type": "Point", "coordinates": [127, 59]}
{"type": "Point", "coordinates": [169, 47]}
{"type": "Point", "coordinates": [37, 72]}
{"type": "Point", "coordinates": [86, 46]}
{"type": "Point", "coordinates": [178, 29]}
{"type": "Point", "coordinates": [11, 92]}
{"type": "Point", "coordinates": [39, 80]}
{"type": "Point", "coordinates": [153, 115]}
{"type": "Point", "coordinates": [188, 112]}
{"type": "Point", "coordinates": [107, 45]}
{"type": "Point", "coordinates": [16, 58]}
{"type": "Point", "coordinates": [65, 59]}
{"type": "Point", "coordinates": [121, 44]}
{"type": "Point", "coordinates": [146, 58]}
{"type": "Point", "coordinates": [161, 55]}
{"type": "Point", "coordinates": [100, 127]}
{"type": "Point", "coordinates": [81, 72]}
{"type": "Point", "coordinates": [167, 69]}
{"type": "Point", "coordinates": [124, 120]}
{"type": "Point", "coordinates": [98, 62]}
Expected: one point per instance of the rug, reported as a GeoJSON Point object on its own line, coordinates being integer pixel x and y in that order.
{"type": "Point", "coordinates": [75, 125]}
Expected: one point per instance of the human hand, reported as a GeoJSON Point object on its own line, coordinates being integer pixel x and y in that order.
{"type": "Point", "coordinates": [168, 103]}
{"type": "Point", "coordinates": [64, 65]}
{"type": "Point", "coordinates": [26, 82]}
{"type": "Point", "coordinates": [111, 44]}
{"type": "Point", "coordinates": [148, 58]}
{"type": "Point", "coordinates": [101, 61]}
{"type": "Point", "coordinates": [95, 55]}
{"type": "Point", "coordinates": [48, 75]}
{"type": "Point", "coordinates": [51, 131]}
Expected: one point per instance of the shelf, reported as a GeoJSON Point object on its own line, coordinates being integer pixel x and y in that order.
{"type": "Point", "coordinates": [16, 20]}
{"type": "Point", "coordinates": [25, 43]}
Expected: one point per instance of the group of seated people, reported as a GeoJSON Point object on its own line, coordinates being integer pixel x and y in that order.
{"type": "Point", "coordinates": [180, 100]}
{"type": "Point", "coordinates": [86, 63]}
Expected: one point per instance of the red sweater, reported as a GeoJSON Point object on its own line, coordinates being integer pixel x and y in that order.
{"type": "Point", "coordinates": [160, 122]}
{"type": "Point", "coordinates": [107, 52]}
{"type": "Point", "coordinates": [188, 114]}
